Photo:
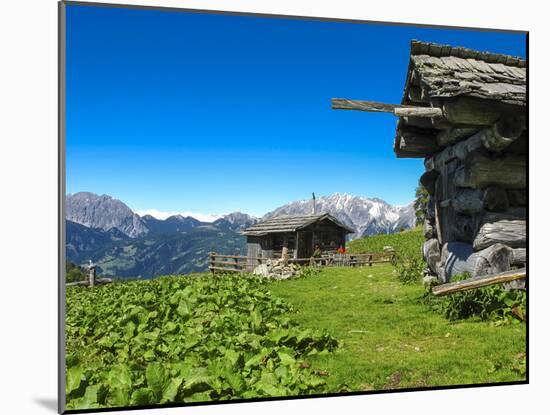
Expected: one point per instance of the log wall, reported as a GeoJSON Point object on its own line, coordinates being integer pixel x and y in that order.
{"type": "Point", "coordinates": [477, 186]}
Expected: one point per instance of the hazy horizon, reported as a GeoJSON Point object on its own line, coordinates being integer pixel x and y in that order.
{"type": "Point", "coordinates": [212, 216]}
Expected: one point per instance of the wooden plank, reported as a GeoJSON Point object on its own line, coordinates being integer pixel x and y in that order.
{"type": "Point", "coordinates": [396, 109]}
{"type": "Point", "coordinates": [479, 171]}
{"type": "Point", "coordinates": [231, 263]}
{"type": "Point", "coordinates": [369, 106]}
{"type": "Point", "coordinates": [478, 282]}
{"type": "Point", "coordinates": [420, 112]}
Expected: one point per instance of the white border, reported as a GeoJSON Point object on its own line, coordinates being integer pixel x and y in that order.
{"type": "Point", "coordinates": [28, 171]}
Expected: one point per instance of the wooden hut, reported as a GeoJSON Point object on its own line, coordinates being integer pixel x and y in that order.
{"type": "Point", "coordinates": [298, 233]}
{"type": "Point", "coordinates": [464, 112]}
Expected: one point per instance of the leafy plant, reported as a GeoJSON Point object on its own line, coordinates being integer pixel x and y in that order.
{"type": "Point", "coordinates": [74, 272]}
{"type": "Point", "coordinates": [408, 268]}
{"type": "Point", "coordinates": [185, 339]}
{"type": "Point", "coordinates": [488, 303]}
{"type": "Point", "coordinates": [309, 271]}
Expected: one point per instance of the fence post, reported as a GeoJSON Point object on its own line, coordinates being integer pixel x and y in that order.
{"type": "Point", "coordinates": [91, 273]}
{"type": "Point", "coordinates": [370, 260]}
{"type": "Point", "coordinates": [212, 259]}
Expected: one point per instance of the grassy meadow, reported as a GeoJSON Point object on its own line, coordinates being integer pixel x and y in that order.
{"type": "Point", "coordinates": [204, 337]}
{"type": "Point", "coordinates": [389, 339]}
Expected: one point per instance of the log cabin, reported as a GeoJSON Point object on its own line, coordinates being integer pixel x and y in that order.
{"type": "Point", "coordinates": [299, 234]}
{"type": "Point", "coordinates": [465, 113]}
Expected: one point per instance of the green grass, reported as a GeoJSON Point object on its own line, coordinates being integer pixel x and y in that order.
{"type": "Point", "coordinates": [389, 339]}
{"type": "Point", "coordinates": [406, 242]}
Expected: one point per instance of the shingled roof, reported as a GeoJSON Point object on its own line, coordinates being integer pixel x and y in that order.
{"type": "Point", "coordinates": [290, 223]}
{"type": "Point", "coordinates": [443, 71]}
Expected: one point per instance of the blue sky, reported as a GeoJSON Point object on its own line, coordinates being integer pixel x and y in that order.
{"type": "Point", "coordinates": [204, 113]}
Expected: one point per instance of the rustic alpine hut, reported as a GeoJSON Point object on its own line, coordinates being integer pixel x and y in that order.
{"type": "Point", "coordinates": [299, 234]}
{"type": "Point", "coordinates": [464, 112]}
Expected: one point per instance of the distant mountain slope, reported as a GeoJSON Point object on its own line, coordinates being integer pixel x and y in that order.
{"type": "Point", "coordinates": [170, 225]}
{"type": "Point", "coordinates": [235, 221]}
{"type": "Point", "coordinates": [154, 255]}
{"type": "Point", "coordinates": [82, 242]}
{"type": "Point", "coordinates": [366, 216]}
{"type": "Point", "coordinates": [104, 212]}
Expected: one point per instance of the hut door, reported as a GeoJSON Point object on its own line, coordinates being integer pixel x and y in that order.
{"type": "Point", "coordinates": [305, 244]}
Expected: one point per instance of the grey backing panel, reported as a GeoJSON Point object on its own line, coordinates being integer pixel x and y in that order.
{"type": "Point", "coordinates": [61, 208]}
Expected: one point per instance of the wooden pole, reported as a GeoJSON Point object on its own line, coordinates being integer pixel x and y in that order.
{"type": "Point", "coordinates": [478, 282]}
{"type": "Point", "coordinates": [396, 109]}
{"type": "Point", "coordinates": [91, 274]}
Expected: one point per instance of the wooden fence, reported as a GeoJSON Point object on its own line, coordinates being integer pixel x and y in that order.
{"type": "Point", "coordinates": [242, 264]}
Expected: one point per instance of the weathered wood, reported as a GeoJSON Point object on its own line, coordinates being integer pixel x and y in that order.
{"type": "Point", "coordinates": [420, 112]}
{"type": "Point", "coordinates": [432, 253]}
{"type": "Point", "coordinates": [470, 112]}
{"type": "Point", "coordinates": [494, 139]}
{"type": "Point", "coordinates": [519, 256]}
{"type": "Point", "coordinates": [510, 232]}
{"type": "Point", "coordinates": [514, 213]}
{"type": "Point", "coordinates": [478, 282]}
{"type": "Point", "coordinates": [428, 180]}
{"type": "Point", "coordinates": [438, 211]}
{"type": "Point", "coordinates": [410, 142]}
{"type": "Point", "coordinates": [359, 105]}
{"type": "Point", "coordinates": [468, 201]}
{"type": "Point", "coordinates": [495, 199]}
{"type": "Point", "coordinates": [425, 123]}
{"type": "Point", "coordinates": [396, 109]}
{"type": "Point", "coordinates": [460, 258]}
{"type": "Point", "coordinates": [503, 133]}
{"type": "Point", "coordinates": [444, 213]}
{"type": "Point", "coordinates": [458, 151]}
{"type": "Point", "coordinates": [463, 228]}
{"type": "Point", "coordinates": [472, 201]}
{"type": "Point", "coordinates": [430, 211]}
{"type": "Point", "coordinates": [517, 197]}
{"type": "Point", "coordinates": [452, 135]}
{"type": "Point", "coordinates": [415, 94]}
{"type": "Point", "coordinates": [480, 171]}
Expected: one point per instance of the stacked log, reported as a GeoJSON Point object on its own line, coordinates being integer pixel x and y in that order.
{"type": "Point", "coordinates": [477, 186]}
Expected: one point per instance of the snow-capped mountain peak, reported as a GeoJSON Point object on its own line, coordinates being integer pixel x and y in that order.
{"type": "Point", "coordinates": [367, 215]}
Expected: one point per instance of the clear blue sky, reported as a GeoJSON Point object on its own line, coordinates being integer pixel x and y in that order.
{"type": "Point", "coordinates": [216, 113]}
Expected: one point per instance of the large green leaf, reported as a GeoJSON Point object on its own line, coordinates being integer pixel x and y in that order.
{"type": "Point", "coordinates": [74, 378]}
{"type": "Point", "coordinates": [142, 396]}
{"type": "Point", "coordinates": [171, 388]}
{"type": "Point", "coordinates": [120, 377]}
{"type": "Point", "coordinates": [156, 377]}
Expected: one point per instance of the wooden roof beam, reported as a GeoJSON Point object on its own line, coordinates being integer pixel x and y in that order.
{"type": "Point", "coordinates": [396, 109]}
{"type": "Point", "coordinates": [461, 111]}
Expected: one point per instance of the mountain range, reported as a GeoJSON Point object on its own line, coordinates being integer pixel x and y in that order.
{"type": "Point", "coordinates": [127, 245]}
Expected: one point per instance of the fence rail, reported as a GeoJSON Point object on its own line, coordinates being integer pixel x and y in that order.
{"type": "Point", "coordinates": [242, 264]}
{"type": "Point", "coordinates": [478, 282]}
